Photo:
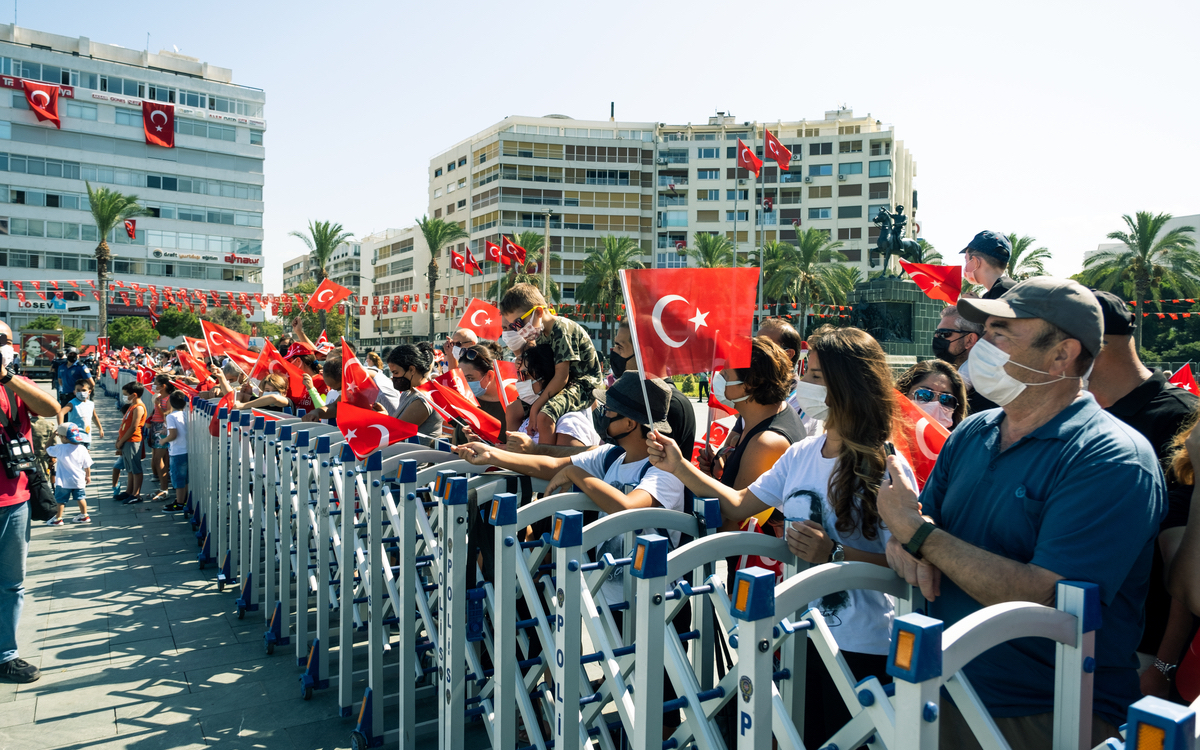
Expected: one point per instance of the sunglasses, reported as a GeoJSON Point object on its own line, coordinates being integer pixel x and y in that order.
{"type": "Point", "coordinates": [946, 333]}
{"type": "Point", "coordinates": [925, 395]}
{"type": "Point", "coordinates": [517, 325]}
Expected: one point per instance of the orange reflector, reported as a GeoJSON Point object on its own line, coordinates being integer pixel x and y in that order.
{"type": "Point", "coordinates": [743, 593]}
{"type": "Point", "coordinates": [904, 649]}
{"type": "Point", "coordinates": [1151, 737]}
{"type": "Point", "coordinates": [557, 528]}
{"type": "Point", "coordinates": [495, 509]}
{"type": "Point", "coordinates": [637, 560]}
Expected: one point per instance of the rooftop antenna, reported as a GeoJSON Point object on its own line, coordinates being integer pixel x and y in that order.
{"type": "Point", "coordinates": [147, 42]}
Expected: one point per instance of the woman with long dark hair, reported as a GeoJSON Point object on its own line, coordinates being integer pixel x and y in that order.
{"type": "Point", "coordinates": [826, 487]}
{"type": "Point", "coordinates": [937, 389]}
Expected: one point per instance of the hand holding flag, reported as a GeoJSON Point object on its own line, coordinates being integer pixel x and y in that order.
{"type": "Point", "coordinates": [359, 426]}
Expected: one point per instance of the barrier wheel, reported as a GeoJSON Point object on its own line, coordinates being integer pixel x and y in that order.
{"type": "Point", "coordinates": [220, 586]}
{"type": "Point", "coordinates": [358, 741]}
{"type": "Point", "coordinates": [308, 692]}
{"type": "Point", "coordinates": [270, 648]}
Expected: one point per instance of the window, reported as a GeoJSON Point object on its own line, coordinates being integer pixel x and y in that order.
{"type": "Point", "coordinates": [708, 195]}
{"type": "Point", "coordinates": [820, 213]}
{"type": "Point", "coordinates": [873, 211]}
{"type": "Point", "coordinates": [437, 172]}
{"type": "Point", "coordinates": [673, 218]}
{"type": "Point", "coordinates": [824, 191]}
{"type": "Point", "coordinates": [462, 161]}
{"type": "Point", "coordinates": [881, 148]}
{"type": "Point", "coordinates": [848, 191]}
{"type": "Point", "coordinates": [462, 204]}
{"type": "Point", "coordinates": [854, 167]}
{"type": "Point", "coordinates": [809, 132]}
{"type": "Point", "coordinates": [737, 216]}
{"type": "Point", "coordinates": [450, 167]}
{"type": "Point", "coordinates": [672, 155]}
{"type": "Point", "coordinates": [708, 174]}
{"type": "Point", "coordinates": [878, 191]}
{"type": "Point", "coordinates": [437, 213]}
{"type": "Point", "coordinates": [850, 212]}
{"type": "Point", "coordinates": [731, 152]}
{"type": "Point", "coordinates": [129, 117]}
{"type": "Point", "coordinates": [437, 193]}
{"type": "Point", "coordinates": [850, 234]}
{"type": "Point", "coordinates": [737, 195]}
{"type": "Point", "coordinates": [708, 153]}
{"type": "Point", "coordinates": [820, 170]}
{"type": "Point", "coordinates": [707, 216]}
{"type": "Point", "coordinates": [850, 147]}
{"type": "Point", "coordinates": [256, 137]}
{"type": "Point", "coordinates": [849, 129]}
{"type": "Point", "coordinates": [881, 168]}
{"type": "Point", "coordinates": [789, 197]}
{"type": "Point", "coordinates": [670, 260]}
{"type": "Point", "coordinates": [820, 149]}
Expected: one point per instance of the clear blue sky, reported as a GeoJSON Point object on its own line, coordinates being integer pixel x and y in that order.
{"type": "Point", "coordinates": [1044, 118]}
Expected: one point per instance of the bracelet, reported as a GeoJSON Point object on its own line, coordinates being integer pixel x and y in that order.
{"type": "Point", "coordinates": [913, 546]}
{"type": "Point", "coordinates": [1165, 668]}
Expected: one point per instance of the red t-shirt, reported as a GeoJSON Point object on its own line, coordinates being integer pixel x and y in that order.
{"type": "Point", "coordinates": [15, 491]}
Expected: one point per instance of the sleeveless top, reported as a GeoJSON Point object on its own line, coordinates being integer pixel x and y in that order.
{"type": "Point", "coordinates": [786, 422]}
{"type": "Point", "coordinates": [432, 425]}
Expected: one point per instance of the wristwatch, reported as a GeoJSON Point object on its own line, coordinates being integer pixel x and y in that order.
{"type": "Point", "coordinates": [913, 546]}
{"type": "Point", "coordinates": [1165, 668]}
{"type": "Point", "coordinates": [837, 554]}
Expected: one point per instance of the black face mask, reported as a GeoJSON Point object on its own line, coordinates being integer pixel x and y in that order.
{"type": "Point", "coordinates": [617, 362]}
{"type": "Point", "coordinates": [941, 350]}
{"type": "Point", "coordinates": [402, 383]}
{"type": "Point", "coordinates": [612, 439]}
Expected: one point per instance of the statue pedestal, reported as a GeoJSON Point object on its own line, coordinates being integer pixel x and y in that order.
{"type": "Point", "coordinates": [899, 315]}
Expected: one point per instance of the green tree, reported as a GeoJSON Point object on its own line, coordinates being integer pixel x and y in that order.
{"type": "Point", "coordinates": [803, 273]}
{"type": "Point", "coordinates": [929, 253]}
{"type": "Point", "coordinates": [110, 209]}
{"type": "Point", "coordinates": [174, 322]}
{"type": "Point", "coordinates": [131, 330]}
{"type": "Point", "coordinates": [601, 269]}
{"type": "Point", "coordinates": [712, 251]}
{"type": "Point", "coordinates": [71, 336]}
{"type": "Point", "coordinates": [1025, 262]}
{"type": "Point", "coordinates": [843, 278]}
{"type": "Point", "coordinates": [322, 239]}
{"type": "Point", "coordinates": [1148, 262]}
{"type": "Point", "coordinates": [526, 273]}
{"type": "Point", "coordinates": [313, 323]}
{"type": "Point", "coordinates": [437, 233]}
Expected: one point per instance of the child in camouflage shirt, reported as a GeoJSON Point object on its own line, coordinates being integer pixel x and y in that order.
{"type": "Point", "coordinates": [577, 374]}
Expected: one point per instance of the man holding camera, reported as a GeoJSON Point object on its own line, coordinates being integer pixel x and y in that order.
{"type": "Point", "coordinates": [19, 397]}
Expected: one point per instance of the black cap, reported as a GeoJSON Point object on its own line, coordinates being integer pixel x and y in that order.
{"type": "Point", "coordinates": [625, 398]}
{"type": "Point", "coordinates": [992, 244]}
{"type": "Point", "coordinates": [1119, 320]}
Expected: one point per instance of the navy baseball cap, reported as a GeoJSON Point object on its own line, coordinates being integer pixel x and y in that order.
{"type": "Point", "coordinates": [1119, 320]}
{"type": "Point", "coordinates": [993, 244]}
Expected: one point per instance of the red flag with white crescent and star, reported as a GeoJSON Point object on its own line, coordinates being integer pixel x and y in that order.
{"type": "Point", "coordinates": [495, 255]}
{"type": "Point", "coordinates": [269, 362]}
{"type": "Point", "coordinates": [483, 319]}
{"type": "Point", "coordinates": [1184, 378]}
{"type": "Point", "coordinates": [358, 388]}
{"type": "Point", "coordinates": [323, 345]}
{"type": "Point", "coordinates": [43, 100]}
{"type": "Point", "coordinates": [472, 264]}
{"type": "Point", "coordinates": [158, 122]}
{"type": "Point", "coordinates": [451, 401]}
{"type": "Point", "coordinates": [459, 263]}
{"type": "Point", "coordinates": [689, 320]}
{"type": "Point", "coordinates": [197, 347]}
{"type": "Point", "coordinates": [511, 250]}
{"type": "Point", "coordinates": [777, 151]}
{"type": "Point", "coordinates": [918, 437]}
{"type": "Point", "coordinates": [327, 295]}
{"type": "Point", "coordinates": [506, 381]}
{"type": "Point", "coordinates": [455, 379]}
{"type": "Point", "coordinates": [368, 431]}
{"type": "Point", "coordinates": [938, 282]}
{"type": "Point", "coordinates": [131, 228]}
{"type": "Point", "coordinates": [219, 336]}
{"type": "Point", "coordinates": [747, 160]}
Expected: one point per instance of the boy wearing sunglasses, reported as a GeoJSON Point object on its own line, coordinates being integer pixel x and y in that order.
{"type": "Point", "coordinates": [528, 322]}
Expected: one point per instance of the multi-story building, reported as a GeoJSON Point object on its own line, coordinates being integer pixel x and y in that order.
{"type": "Point", "coordinates": [344, 267]}
{"type": "Point", "coordinates": [204, 196]}
{"type": "Point", "coordinates": [296, 272]}
{"type": "Point", "coordinates": [399, 263]}
{"type": "Point", "coordinates": [660, 184]}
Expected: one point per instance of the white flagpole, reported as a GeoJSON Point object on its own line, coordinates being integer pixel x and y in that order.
{"type": "Point", "coordinates": [712, 364]}
{"type": "Point", "coordinates": [760, 217]}
{"type": "Point", "coordinates": [637, 350]}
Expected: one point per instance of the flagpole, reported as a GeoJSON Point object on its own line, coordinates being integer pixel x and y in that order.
{"type": "Point", "coordinates": [637, 351]}
{"type": "Point", "coordinates": [711, 365]}
{"type": "Point", "coordinates": [760, 218]}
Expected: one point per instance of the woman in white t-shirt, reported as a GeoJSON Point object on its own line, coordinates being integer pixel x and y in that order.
{"type": "Point", "coordinates": [826, 488]}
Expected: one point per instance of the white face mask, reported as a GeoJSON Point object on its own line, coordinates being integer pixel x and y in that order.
{"type": "Point", "coordinates": [718, 390]}
{"type": "Point", "coordinates": [81, 395]}
{"type": "Point", "coordinates": [513, 340]}
{"type": "Point", "coordinates": [811, 398]}
{"type": "Point", "coordinates": [6, 355]}
{"type": "Point", "coordinates": [525, 391]}
{"type": "Point", "coordinates": [993, 382]}
{"type": "Point", "coordinates": [456, 351]}
{"type": "Point", "coordinates": [940, 414]}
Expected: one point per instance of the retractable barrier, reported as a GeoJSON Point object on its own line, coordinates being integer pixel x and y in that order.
{"type": "Point", "coordinates": [1156, 724]}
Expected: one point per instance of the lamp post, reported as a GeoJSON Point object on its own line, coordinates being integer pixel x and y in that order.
{"type": "Point", "coordinates": [546, 254]}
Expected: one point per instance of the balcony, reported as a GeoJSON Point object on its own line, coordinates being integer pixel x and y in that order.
{"type": "Point", "coordinates": [672, 200]}
{"type": "Point", "coordinates": [667, 181]}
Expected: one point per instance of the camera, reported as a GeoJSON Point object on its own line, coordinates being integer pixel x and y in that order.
{"type": "Point", "coordinates": [17, 457]}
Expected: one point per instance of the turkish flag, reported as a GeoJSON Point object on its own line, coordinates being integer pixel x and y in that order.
{"type": "Point", "coordinates": [323, 345]}
{"type": "Point", "coordinates": [358, 388]}
{"type": "Point", "coordinates": [214, 425]}
{"type": "Point", "coordinates": [145, 376]}
{"type": "Point", "coordinates": [777, 151]}
{"type": "Point", "coordinates": [938, 282]}
{"type": "Point", "coordinates": [511, 249]}
{"type": "Point", "coordinates": [472, 264]}
{"type": "Point", "coordinates": [919, 438]}
{"type": "Point", "coordinates": [158, 122]}
{"type": "Point", "coordinates": [454, 379]}
{"type": "Point", "coordinates": [506, 381]}
{"type": "Point", "coordinates": [219, 336]}
{"type": "Point", "coordinates": [269, 362]}
{"type": "Point", "coordinates": [483, 319]}
{"type": "Point", "coordinates": [495, 255]}
{"type": "Point", "coordinates": [327, 295]}
{"type": "Point", "coordinates": [357, 425]}
{"type": "Point", "coordinates": [460, 263]}
{"type": "Point", "coordinates": [676, 335]}
{"type": "Point", "coordinates": [180, 385]}
{"type": "Point", "coordinates": [43, 100]}
{"type": "Point", "coordinates": [194, 365]}
{"type": "Point", "coordinates": [197, 347]}
{"type": "Point", "coordinates": [450, 402]}
{"type": "Point", "coordinates": [131, 228]}
{"type": "Point", "coordinates": [1184, 379]}
{"type": "Point", "coordinates": [747, 160]}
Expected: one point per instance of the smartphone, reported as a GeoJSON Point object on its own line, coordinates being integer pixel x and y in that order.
{"type": "Point", "coordinates": [889, 448]}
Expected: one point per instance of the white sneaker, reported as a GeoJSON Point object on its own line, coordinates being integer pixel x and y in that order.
{"type": "Point", "coordinates": [55, 522]}
{"type": "Point", "coordinates": [80, 518]}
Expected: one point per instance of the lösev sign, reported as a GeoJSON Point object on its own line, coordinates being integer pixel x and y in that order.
{"type": "Point", "coordinates": [201, 114]}
{"type": "Point", "coordinates": [12, 82]}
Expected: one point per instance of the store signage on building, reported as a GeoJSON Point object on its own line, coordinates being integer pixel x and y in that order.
{"type": "Point", "coordinates": [241, 260]}
{"type": "Point", "coordinates": [133, 101]}
{"type": "Point", "coordinates": [156, 253]}
{"type": "Point", "coordinates": [12, 82]}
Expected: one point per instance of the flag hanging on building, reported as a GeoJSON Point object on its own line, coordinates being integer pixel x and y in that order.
{"type": "Point", "coordinates": [158, 122]}
{"type": "Point", "coordinates": [43, 100]}
{"type": "Point", "coordinates": [131, 228]}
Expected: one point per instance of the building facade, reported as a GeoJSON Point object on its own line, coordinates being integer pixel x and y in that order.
{"type": "Point", "coordinates": [344, 267]}
{"type": "Point", "coordinates": [204, 196]}
{"type": "Point", "coordinates": [296, 272]}
{"type": "Point", "coordinates": [659, 184]}
{"type": "Point", "coordinates": [399, 261]}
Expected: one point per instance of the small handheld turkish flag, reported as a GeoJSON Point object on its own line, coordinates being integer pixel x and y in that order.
{"type": "Point", "coordinates": [358, 388]}
{"type": "Point", "coordinates": [483, 319]}
{"type": "Point", "coordinates": [451, 403]}
{"type": "Point", "coordinates": [131, 228]}
{"type": "Point", "coordinates": [506, 381]}
{"type": "Point", "coordinates": [158, 123]}
{"type": "Point", "coordinates": [43, 100]}
{"type": "Point", "coordinates": [368, 431]}
{"type": "Point", "coordinates": [919, 438]}
{"type": "Point", "coordinates": [777, 151]}
{"type": "Point", "coordinates": [1184, 378]}
{"type": "Point", "coordinates": [455, 379]}
{"type": "Point", "coordinates": [495, 255]}
{"type": "Point", "coordinates": [327, 295]}
{"type": "Point", "coordinates": [938, 282]}
{"type": "Point", "coordinates": [511, 249]}
{"type": "Point", "coordinates": [219, 337]}
{"type": "Point", "coordinates": [747, 160]}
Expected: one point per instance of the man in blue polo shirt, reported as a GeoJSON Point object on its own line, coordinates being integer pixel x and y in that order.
{"type": "Point", "coordinates": [70, 374]}
{"type": "Point", "coordinates": [1050, 487]}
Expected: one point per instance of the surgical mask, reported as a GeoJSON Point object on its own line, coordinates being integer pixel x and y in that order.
{"type": "Point", "coordinates": [718, 390]}
{"type": "Point", "coordinates": [525, 391]}
{"type": "Point", "coordinates": [811, 398]}
{"type": "Point", "coordinates": [456, 351]}
{"type": "Point", "coordinates": [991, 380]}
{"type": "Point", "coordinates": [6, 355]}
{"type": "Point", "coordinates": [940, 414]}
{"type": "Point", "coordinates": [617, 363]}
{"type": "Point", "coordinates": [81, 395]}
{"type": "Point", "coordinates": [476, 387]}
{"type": "Point", "coordinates": [513, 340]}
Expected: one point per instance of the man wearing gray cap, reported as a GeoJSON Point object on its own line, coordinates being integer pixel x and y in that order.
{"type": "Point", "coordinates": [986, 261]}
{"type": "Point", "coordinates": [1050, 487]}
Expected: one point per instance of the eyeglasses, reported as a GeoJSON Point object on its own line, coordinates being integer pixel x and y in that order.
{"type": "Point", "coordinates": [469, 354]}
{"type": "Point", "coordinates": [925, 395]}
{"type": "Point", "coordinates": [517, 325]}
{"type": "Point", "coordinates": [946, 333]}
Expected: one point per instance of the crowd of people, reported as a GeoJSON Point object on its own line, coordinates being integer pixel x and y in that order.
{"type": "Point", "coordinates": [1067, 459]}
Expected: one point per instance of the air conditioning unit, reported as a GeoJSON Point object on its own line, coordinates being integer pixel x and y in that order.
{"type": "Point", "coordinates": [796, 157]}
{"type": "Point", "coordinates": [741, 182]}
{"type": "Point", "coordinates": [662, 161]}
{"type": "Point", "coordinates": [841, 178]}
{"type": "Point", "coordinates": [808, 179]}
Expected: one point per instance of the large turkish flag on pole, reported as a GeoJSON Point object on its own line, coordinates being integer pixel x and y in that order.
{"type": "Point", "coordinates": [919, 438]}
{"type": "Point", "coordinates": [511, 249]}
{"type": "Point", "coordinates": [777, 151]}
{"type": "Point", "coordinates": [158, 122]}
{"type": "Point", "coordinates": [690, 320]}
{"type": "Point", "coordinates": [938, 282]}
{"type": "Point", "coordinates": [747, 160]}
{"type": "Point", "coordinates": [495, 255]}
{"type": "Point", "coordinates": [43, 100]}
{"type": "Point", "coordinates": [483, 319]}
{"type": "Point", "coordinates": [328, 294]}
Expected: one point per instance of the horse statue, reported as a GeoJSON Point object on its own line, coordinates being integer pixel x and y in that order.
{"type": "Point", "coordinates": [892, 240]}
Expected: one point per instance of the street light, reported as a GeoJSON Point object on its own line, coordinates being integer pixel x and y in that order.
{"type": "Point", "coordinates": [546, 254]}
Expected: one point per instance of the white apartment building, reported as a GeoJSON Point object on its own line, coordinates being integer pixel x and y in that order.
{"type": "Point", "coordinates": [344, 267]}
{"type": "Point", "coordinates": [204, 195]}
{"type": "Point", "coordinates": [399, 262]}
{"type": "Point", "coordinates": [660, 184]}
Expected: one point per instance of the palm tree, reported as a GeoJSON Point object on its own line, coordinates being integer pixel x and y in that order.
{"type": "Point", "coordinates": [1148, 262]}
{"type": "Point", "coordinates": [713, 251]}
{"type": "Point", "coordinates": [929, 253]}
{"type": "Point", "coordinates": [437, 233]}
{"type": "Point", "coordinates": [1023, 262]}
{"type": "Point", "coordinates": [774, 253]}
{"type": "Point", "coordinates": [805, 274]}
{"type": "Point", "coordinates": [527, 273]}
{"type": "Point", "coordinates": [109, 209]}
{"type": "Point", "coordinates": [601, 269]}
{"type": "Point", "coordinates": [322, 239]}
{"type": "Point", "coordinates": [843, 278]}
